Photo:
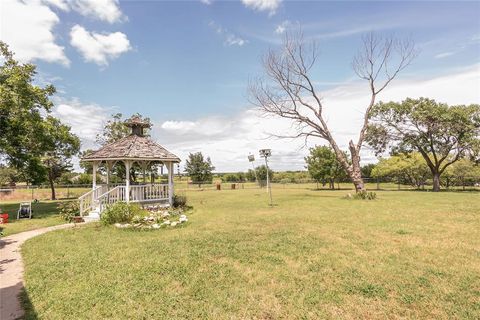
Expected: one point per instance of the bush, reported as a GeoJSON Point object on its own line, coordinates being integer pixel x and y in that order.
{"type": "Point", "coordinates": [121, 212]}
{"type": "Point", "coordinates": [179, 201]}
{"type": "Point", "coordinates": [365, 195]}
{"type": "Point", "coordinates": [69, 209]}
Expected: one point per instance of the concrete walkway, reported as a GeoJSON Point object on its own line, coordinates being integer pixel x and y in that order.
{"type": "Point", "coordinates": [11, 270]}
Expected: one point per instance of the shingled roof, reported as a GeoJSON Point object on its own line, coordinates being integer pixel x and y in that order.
{"type": "Point", "coordinates": [133, 147]}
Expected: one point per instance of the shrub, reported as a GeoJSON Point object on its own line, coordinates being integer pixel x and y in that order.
{"type": "Point", "coordinates": [179, 201]}
{"type": "Point", "coordinates": [69, 209]}
{"type": "Point", "coordinates": [121, 212]}
{"type": "Point", "coordinates": [365, 195]}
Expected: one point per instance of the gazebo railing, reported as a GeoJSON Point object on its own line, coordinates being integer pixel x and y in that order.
{"type": "Point", "coordinates": [101, 197]}
{"type": "Point", "coordinates": [148, 192]}
{"type": "Point", "coordinates": [87, 201]}
{"type": "Point", "coordinates": [112, 196]}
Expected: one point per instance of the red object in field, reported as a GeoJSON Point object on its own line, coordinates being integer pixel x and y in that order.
{"type": "Point", "coordinates": [3, 218]}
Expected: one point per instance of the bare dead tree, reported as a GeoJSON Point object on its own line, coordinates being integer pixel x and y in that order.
{"type": "Point", "coordinates": [288, 89]}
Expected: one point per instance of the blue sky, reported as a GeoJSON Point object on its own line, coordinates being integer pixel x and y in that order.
{"type": "Point", "coordinates": [187, 64]}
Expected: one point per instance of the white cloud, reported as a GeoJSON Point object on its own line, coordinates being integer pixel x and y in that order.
{"type": "Point", "coordinates": [86, 120]}
{"type": "Point", "coordinates": [230, 39]}
{"type": "Point", "coordinates": [444, 55]}
{"type": "Point", "coordinates": [282, 27]}
{"type": "Point", "coordinates": [263, 5]}
{"type": "Point", "coordinates": [105, 10]}
{"type": "Point", "coordinates": [61, 4]}
{"type": "Point", "coordinates": [207, 2]}
{"type": "Point", "coordinates": [229, 139]}
{"type": "Point", "coordinates": [27, 27]}
{"type": "Point", "coordinates": [99, 47]}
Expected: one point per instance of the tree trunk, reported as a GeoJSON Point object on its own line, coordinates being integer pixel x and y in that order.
{"type": "Point", "coordinates": [353, 170]}
{"type": "Point", "coordinates": [356, 172]}
{"type": "Point", "coordinates": [52, 186]}
{"type": "Point", "coordinates": [436, 181]}
{"type": "Point", "coordinates": [332, 184]}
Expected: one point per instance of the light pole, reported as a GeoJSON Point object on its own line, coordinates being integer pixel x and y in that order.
{"type": "Point", "coordinates": [265, 153]}
{"type": "Point", "coordinates": [251, 158]}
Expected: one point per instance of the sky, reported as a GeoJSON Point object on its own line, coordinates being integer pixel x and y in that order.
{"type": "Point", "coordinates": [187, 65]}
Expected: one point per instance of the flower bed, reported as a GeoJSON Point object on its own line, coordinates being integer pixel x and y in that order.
{"type": "Point", "coordinates": [156, 219]}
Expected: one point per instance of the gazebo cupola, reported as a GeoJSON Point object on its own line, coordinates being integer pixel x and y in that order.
{"type": "Point", "coordinates": [134, 148]}
{"type": "Point", "coordinates": [137, 125]}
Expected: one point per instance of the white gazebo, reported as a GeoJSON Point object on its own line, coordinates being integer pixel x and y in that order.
{"type": "Point", "coordinates": [135, 148]}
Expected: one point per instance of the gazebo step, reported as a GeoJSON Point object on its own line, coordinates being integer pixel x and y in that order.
{"type": "Point", "coordinates": [92, 216]}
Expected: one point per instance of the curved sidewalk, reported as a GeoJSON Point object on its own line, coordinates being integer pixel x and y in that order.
{"type": "Point", "coordinates": [11, 270]}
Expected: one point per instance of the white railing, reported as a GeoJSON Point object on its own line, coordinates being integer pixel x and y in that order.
{"type": "Point", "coordinates": [101, 197]}
{"type": "Point", "coordinates": [112, 196]}
{"type": "Point", "coordinates": [148, 192]}
{"type": "Point", "coordinates": [87, 201]}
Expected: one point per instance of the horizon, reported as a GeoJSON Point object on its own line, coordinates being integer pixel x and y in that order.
{"type": "Point", "coordinates": [186, 65]}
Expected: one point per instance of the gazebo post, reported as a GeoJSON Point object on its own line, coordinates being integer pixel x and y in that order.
{"type": "Point", "coordinates": [170, 183]}
{"type": "Point", "coordinates": [94, 180]}
{"type": "Point", "coordinates": [127, 180]}
{"type": "Point", "coordinates": [109, 164]}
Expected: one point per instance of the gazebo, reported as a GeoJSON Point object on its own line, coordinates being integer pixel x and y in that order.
{"type": "Point", "coordinates": [135, 148]}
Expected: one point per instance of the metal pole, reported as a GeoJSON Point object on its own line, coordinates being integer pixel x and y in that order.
{"type": "Point", "coordinates": [269, 187]}
{"type": "Point", "coordinates": [255, 172]}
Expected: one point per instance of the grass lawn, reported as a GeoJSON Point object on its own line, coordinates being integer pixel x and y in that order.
{"type": "Point", "coordinates": [313, 255]}
{"type": "Point", "coordinates": [45, 214]}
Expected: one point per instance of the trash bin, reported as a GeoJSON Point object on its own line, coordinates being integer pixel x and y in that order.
{"type": "Point", "coordinates": [233, 186]}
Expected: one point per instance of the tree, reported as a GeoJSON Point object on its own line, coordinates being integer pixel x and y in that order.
{"type": "Point", "coordinates": [22, 105]}
{"type": "Point", "coordinates": [8, 175]}
{"type": "Point", "coordinates": [199, 169]}
{"type": "Point", "coordinates": [464, 171]}
{"type": "Point", "coordinates": [60, 146]}
{"type": "Point", "coordinates": [290, 92]}
{"type": "Point", "coordinates": [367, 170]}
{"type": "Point", "coordinates": [409, 168]}
{"type": "Point", "coordinates": [442, 134]}
{"type": "Point", "coordinates": [322, 164]}
{"type": "Point", "coordinates": [262, 174]}
{"type": "Point", "coordinates": [250, 175]}
{"type": "Point", "coordinates": [115, 129]}
{"type": "Point", "coordinates": [87, 166]}
{"type": "Point", "coordinates": [31, 140]}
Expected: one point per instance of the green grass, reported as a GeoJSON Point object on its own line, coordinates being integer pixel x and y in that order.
{"type": "Point", "coordinates": [45, 214]}
{"type": "Point", "coordinates": [313, 255]}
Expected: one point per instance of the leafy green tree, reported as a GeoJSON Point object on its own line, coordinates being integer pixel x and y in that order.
{"type": "Point", "coordinates": [367, 170]}
{"type": "Point", "coordinates": [463, 172]}
{"type": "Point", "coordinates": [38, 145]}
{"type": "Point", "coordinates": [199, 169]}
{"type": "Point", "coordinates": [262, 174]}
{"type": "Point", "coordinates": [322, 164]}
{"type": "Point", "coordinates": [442, 134]}
{"type": "Point", "coordinates": [8, 175]}
{"type": "Point", "coordinates": [22, 105]}
{"type": "Point", "coordinates": [250, 175]}
{"type": "Point", "coordinates": [408, 168]}
{"type": "Point", "coordinates": [60, 146]}
{"type": "Point", "coordinates": [115, 129]}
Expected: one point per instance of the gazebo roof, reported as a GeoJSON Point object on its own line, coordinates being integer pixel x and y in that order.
{"type": "Point", "coordinates": [133, 147]}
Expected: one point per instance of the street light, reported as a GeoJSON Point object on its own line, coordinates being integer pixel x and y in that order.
{"type": "Point", "coordinates": [265, 153]}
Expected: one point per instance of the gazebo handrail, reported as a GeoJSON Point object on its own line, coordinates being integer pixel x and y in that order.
{"type": "Point", "coordinates": [87, 200]}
